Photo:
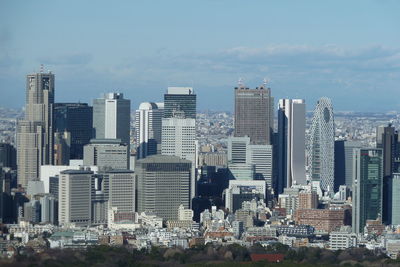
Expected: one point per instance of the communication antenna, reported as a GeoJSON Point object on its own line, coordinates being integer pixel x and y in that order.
{"type": "Point", "coordinates": [240, 82]}
{"type": "Point", "coordinates": [41, 68]}
{"type": "Point", "coordinates": [265, 81]}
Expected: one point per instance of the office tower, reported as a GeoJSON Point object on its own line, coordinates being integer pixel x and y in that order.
{"type": "Point", "coordinates": [32, 211]}
{"type": "Point", "coordinates": [106, 153]}
{"type": "Point", "coordinates": [387, 140]}
{"type": "Point", "coordinates": [254, 114]}
{"type": "Point", "coordinates": [247, 161]}
{"type": "Point", "coordinates": [8, 156]}
{"type": "Point", "coordinates": [111, 117]}
{"type": "Point", "coordinates": [77, 120]}
{"type": "Point", "coordinates": [35, 132]}
{"type": "Point", "coordinates": [367, 187]}
{"type": "Point", "coordinates": [180, 98]}
{"type": "Point", "coordinates": [74, 197]}
{"type": "Point", "coordinates": [291, 143]}
{"type": "Point", "coordinates": [322, 145]}
{"type": "Point", "coordinates": [148, 123]}
{"type": "Point", "coordinates": [119, 189]}
{"type": "Point", "coordinates": [394, 200]}
{"type": "Point", "coordinates": [163, 184]}
{"type": "Point", "coordinates": [240, 191]}
{"type": "Point", "coordinates": [344, 153]}
{"type": "Point", "coordinates": [179, 139]}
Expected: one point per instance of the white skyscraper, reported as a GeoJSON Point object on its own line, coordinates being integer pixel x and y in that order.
{"type": "Point", "coordinates": [111, 117]}
{"type": "Point", "coordinates": [148, 124]}
{"type": "Point", "coordinates": [291, 143]}
{"type": "Point", "coordinates": [179, 139]}
{"type": "Point", "coordinates": [322, 145]}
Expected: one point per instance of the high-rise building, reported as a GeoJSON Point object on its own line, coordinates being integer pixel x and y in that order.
{"type": "Point", "coordinates": [111, 117]}
{"type": "Point", "coordinates": [120, 189]}
{"type": "Point", "coordinates": [239, 191]}
{"type": "Point", "coordinates": [254, 114]}
{"type": "Point", "coordinates": [344, 153]}
{"type": "Point", "coordinates": [291, 143]}
{"type": "Point", "coordinates": [182, 99]}
{"type": "Point", "coordinates": [163, 184]}
{"type": "Point", "coordinates": [35, 132]}
{"type": "Point", "coordinates": [322, 145]}
{"type": "Point", "coordinates": [77, 119]}
{"type": "Point", "coordinates": [367, 187]}
{"type": "Point", "coordinates": [387, 140]}
{"type": "Point", "coordinates": [74, 196]}
{"type": "Point", "coordinates": [394, 200]}
{"type": "Point", "coordinates": [8, 156]}
{"type": "Point", "coordinates": [247, 161]}
{"type": "Point", "coordinates": [106, 154]}
{"type": "Point", "coordinates": [179, 139]}
{"type": "Point", "coordinates": [148, 123]}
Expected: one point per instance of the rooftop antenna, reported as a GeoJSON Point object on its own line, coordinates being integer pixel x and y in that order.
{"type": "Point", "coordinates": [265, 81]}
{"type": "Point", "coordinates": [41, 68]}
{"type": "Point", "coordinates": [240, 82]}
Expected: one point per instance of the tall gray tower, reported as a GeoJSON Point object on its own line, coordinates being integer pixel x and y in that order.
{"type": "Point", "coordinates": [35, 132]}
{"type": "Point", "coordinates": [254, 114]}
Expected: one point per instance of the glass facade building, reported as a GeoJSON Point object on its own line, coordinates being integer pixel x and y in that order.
{"type": "Point", "coordinates": [367, 187]}
{"type": "Point", "coordinates": [77, 119]}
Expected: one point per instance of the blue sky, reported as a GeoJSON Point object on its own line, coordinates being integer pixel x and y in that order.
{"type": "Point", "coordinates": [346, 50]}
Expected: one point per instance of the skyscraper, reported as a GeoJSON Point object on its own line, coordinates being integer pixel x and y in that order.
{"type": "Point", "coordinates": [291, 143]}
{"type": "Point", "coordinates": [148, 124]}
{"type": "Point", "coordinates": [179, 139]}
{"type": "Point", "coordinates": [111, 117]}
{"type": "Point", "coordinates": [367, 187]}
{"type": "Point", "coordinates": [180, 98]}
{"type": "Point", "coordinates": [247, 161]}
{"type": "Point", "coordinates": [77, 119]}
{"type": "Point", "coordinates": [254, 114]}
{"type": "Point", "coordinates": [35, 132]}
{"type": "Point", "coordinates": [74, 196]}
{"type": "Point", "coordinates": [387, 140]}
{"type": "Point", "coordinates": [344, 153]}
{"type": "Point", "coordinates": [322, 145]}
{"type": "Point", "coordinates": [394, 199]}
{"type": "Point", "coordinates": [119, 189]}
{"type": "Point", "coordinates": [163, 184]}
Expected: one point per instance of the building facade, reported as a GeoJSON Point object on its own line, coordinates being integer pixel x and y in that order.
{"type": "Point", "coordinates": [322, 145]}
{"type": "Point", "coordinates": [77, 119]}
{"type": "Point", "coordinates": [254, 114]}
{"type": "Point", "coordinates": [74, 196]}
{"type": "Point", "coordinates": [106, 154]}
{"type": "Point", "coordinates": [163, 184]}
{"type": "Point", "coordinates": [35, 132]}
{"type": "Point", "coordinates": [291, 143]}
{"type": "Point", "coordinates": [111, 117]}
{"type": "Point", "coordinates": [367, 187]}
{"type": "Point", "coordinates": [148, 124]}
{"type": "Point", "coordinates": [180, 99]}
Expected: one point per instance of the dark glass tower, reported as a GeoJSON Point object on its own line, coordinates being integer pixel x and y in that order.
{"type": "Point", "coordinates": [75, 118]}
{"type": "Point", "coordinates": [180, 99]}
{"type": "Point", "coordinates": [367, 191]}
{"type": "Point", "coordinates": [387, 140]}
